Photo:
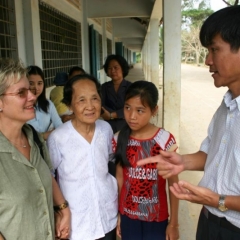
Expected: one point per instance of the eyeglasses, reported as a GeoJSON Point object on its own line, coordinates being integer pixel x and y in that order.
{"type": "Point", "coordinates": [23, 92]}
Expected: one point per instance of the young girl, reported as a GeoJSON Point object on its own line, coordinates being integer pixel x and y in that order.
{"type": "Point", "coordinates": [142, 196]}
{"type": "Point", "coordinates": [47, 118]}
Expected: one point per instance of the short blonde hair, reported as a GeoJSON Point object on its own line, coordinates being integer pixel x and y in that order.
{"type": "Point", "coordinates": [11, 71]}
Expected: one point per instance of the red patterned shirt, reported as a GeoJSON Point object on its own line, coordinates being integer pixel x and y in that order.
{"type": "Point", "coordinates": [143, 194]}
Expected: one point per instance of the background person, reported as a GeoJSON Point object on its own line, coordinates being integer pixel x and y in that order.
{"type": "Point", "coordinates": [113, 92]}
{"type": "Point", "coordinates": [27, 188]}
{"type": "Point", "coordinates": [219, 156]}
{"type": "Point", "coordinates": [46, 118]}
{"type": "Point", "coordinates": [142, 193]}
{"type": "Point", "coordinates": [80, 150]}
{"type": "Point", "coordinates": [75, 70]}
{"type": "Point", "coordinates": [56, 94]}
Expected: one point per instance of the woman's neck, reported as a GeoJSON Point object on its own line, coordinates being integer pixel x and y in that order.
{"type": "Point", "coordinates": [117, 81]}
{"type": "Point", "coordinates": [11, 130]}
{"type": "Point", "coordinates": [86, 130]}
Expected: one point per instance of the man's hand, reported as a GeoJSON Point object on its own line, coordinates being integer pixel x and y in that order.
{"type": "Point", "coordinates": [195, 194]}
{"type": "Point", "coordinates": [168, 163]}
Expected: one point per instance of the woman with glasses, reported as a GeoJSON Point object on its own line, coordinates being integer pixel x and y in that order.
{"type": "Point", "coordinates": [47, 118]}
{"type": "Point", "coordinates": [27, 189]}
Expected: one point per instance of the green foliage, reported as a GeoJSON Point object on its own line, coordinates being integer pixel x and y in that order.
{"type": "Point", "coordinates": [195, 16]}
{"type": "Point", "coordinates": [200, 4]}
{"type": "Point", "coordinates": [231, 2]}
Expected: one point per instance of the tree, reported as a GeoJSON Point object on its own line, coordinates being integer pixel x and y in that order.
{"type": "Point", "coordinates": [192, 20]}
{"type": "Point", "coordinates": [191, 45]}
{"type": "Point", "coordinates": [231, 2]}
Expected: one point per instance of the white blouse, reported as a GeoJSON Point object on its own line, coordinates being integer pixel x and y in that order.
{"type": "Point", "coordinates": [84, 179]}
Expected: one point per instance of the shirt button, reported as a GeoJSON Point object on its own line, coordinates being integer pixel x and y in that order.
{"type": "Point", "coordinates": [48, 233]}
{"type": "Point", "coordinates": [41, 191]}
{"type": "Point", "coordinates": [45, 213]}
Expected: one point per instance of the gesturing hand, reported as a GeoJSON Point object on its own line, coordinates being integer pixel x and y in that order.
{"type": "Point", "coordinates": [195, 194]}
{"type": "Point", "coordinates": [168, 163]}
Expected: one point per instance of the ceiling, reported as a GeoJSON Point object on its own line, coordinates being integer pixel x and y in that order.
{"type": "Point", "coordinates": [130, 18]}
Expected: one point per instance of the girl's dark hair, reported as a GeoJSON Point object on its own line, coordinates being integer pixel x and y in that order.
{"type": "Point", "coordinates": [226, 23]}
{"type": "Point", "coordinates": [42, 101]}
{"type": "Point", "coordinates": [74, 69]}
{"type": "Point", "coordinates": [148, 94]}
{"type": "Point", "coordinates": [122, 62]}
{"type": "Point", "coordinates": [68, 88]}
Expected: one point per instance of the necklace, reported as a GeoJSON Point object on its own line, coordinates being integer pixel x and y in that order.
{"type": "Point", "coordinates": [23, 145]}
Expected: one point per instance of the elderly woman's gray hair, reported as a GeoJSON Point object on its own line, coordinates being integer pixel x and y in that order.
{"type": "Point", "coordinates": [11, 71]}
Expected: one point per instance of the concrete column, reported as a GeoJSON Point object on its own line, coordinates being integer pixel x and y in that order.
{"type": "Point", "coordinates": [85, 37]}
{"type": "Point", "coordinates": [104, 40]}
{"type": "Point", "coordinates": [144, 59]}
{"type": "Point", "coordinates": [133, 57]}
{"type": "Point", "coordinates": [113, 41]}
{"type": "Point", "coordinates": [172, 66]}
{"type": "Point", "coordinates": [20, 31]}
{"type": "Point", "coordinates": [148, 57]}
{"type": "Point", "coordinates": [32, 33]}
{"type": "Point", "coordinates": [154, 51]}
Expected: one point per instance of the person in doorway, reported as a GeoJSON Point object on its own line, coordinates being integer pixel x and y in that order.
{"type": "Point", "coordinates": [142, 193]}
{"type": "Point", "coordinates": [75, 70]}
{"type": "Point", "coordinates": [56, 96]}
{"type": "Point", "coordinates": [219, 154]}
{"type": "Point", "coordinates": [47, 118]}
{"type": "Point", "coordinates": [27, 187]}
{"type": "Point", "coordinates": [113, 92]}
{"type": "Point", "coordinates": [80, 150]}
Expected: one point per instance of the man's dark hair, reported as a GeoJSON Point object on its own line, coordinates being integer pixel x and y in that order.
{"type": "Point", "coordinates": [122, 62]}
{"type": "Point", "coordinates": [226, 23]}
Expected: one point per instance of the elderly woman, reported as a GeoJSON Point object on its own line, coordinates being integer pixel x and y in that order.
{"type": "Point", "coordinates": [80, 150]}
{"type": "Point", "coordinates": [27, 188]}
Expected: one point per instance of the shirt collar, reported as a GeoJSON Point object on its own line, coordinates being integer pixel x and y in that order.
{"type": "Point", "coordinates": [231, 103]}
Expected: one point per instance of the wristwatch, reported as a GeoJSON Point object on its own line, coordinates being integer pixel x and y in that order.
{"type": "Point", "coordinates": [111, 117]}
{"type": "Point", "coordinates": [61, 206]}
{"type": "Point", "coordinates": [221, 203]}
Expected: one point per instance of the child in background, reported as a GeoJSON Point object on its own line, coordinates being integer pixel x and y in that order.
{"type": "Point", "coordinates": [142, 192]}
